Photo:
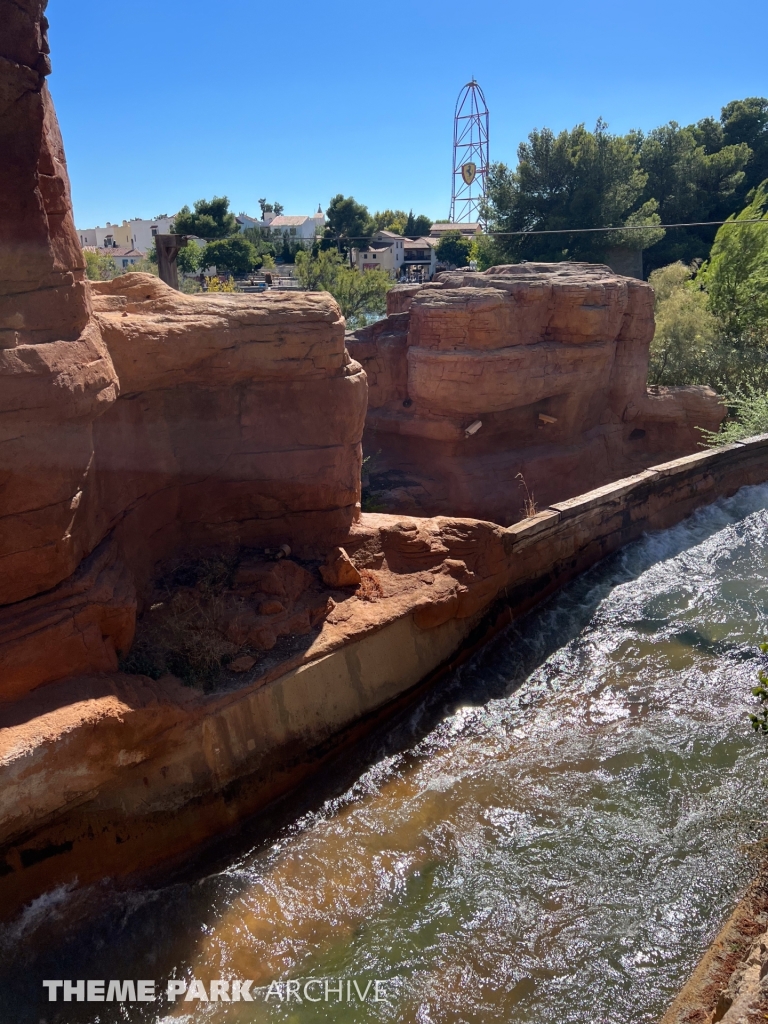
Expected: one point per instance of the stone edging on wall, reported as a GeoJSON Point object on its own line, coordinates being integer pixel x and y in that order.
{"type": "Point", "coordinates": [563, 540]}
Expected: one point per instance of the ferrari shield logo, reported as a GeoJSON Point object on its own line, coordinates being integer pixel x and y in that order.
{"type": "Point", "coordinates": [468, 172]}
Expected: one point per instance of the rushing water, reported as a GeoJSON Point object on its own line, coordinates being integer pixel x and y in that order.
{"type": "Point", "coordinates": [554, 836]}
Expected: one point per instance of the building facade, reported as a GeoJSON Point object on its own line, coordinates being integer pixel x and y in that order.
{"type": "Point", "coordinates": [123, 256]}
{"type": "Point", "coordinates": [137, 233]}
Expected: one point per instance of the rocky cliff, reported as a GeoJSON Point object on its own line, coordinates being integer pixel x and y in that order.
{"type": "Point", "coordinates": [137, 423]}
{"type": "Point", "coordinates": [535, 369]}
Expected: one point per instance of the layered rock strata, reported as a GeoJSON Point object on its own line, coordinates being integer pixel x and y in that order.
{"type": "Point", "coordinates": [534, 369]}
{"type": "Point", "coordinates": [137, 423]}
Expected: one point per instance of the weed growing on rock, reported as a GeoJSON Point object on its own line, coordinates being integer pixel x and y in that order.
{"type": "Point", "coordinates": [760, 720]}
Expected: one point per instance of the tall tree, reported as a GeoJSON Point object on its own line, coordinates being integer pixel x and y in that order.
{"type": "Point", "coordinates": [693, 176]}
{"type": "Point", "coordinates": [454, 249]}
{"type": "Point", "coordinates": [211, 219]}
{"type": "Point", "coordinates": [231, 255]}
{"type": "Point", "coordinates": [746, 121]}
{"type": "Point", "coordinates": [348, 223]}
{"type": "Point", "coordinates": [574, 179]}
{"type": "Point", "coordinates": [416, 227]}
{"type": "Point", "coordinates": [421, 226]}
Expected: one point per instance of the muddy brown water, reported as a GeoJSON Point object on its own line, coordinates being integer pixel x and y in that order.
{"type": "Point", "coordinates": [553, 835]}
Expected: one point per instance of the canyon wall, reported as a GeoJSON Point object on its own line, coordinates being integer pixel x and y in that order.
{"type": "Point", "coordinates": [533, 369]}
{"type": "Point", "coordinates": [137, 423]}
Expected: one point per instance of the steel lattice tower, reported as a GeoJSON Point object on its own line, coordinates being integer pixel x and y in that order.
{"type": "Point", "coordinates": [470, 154]}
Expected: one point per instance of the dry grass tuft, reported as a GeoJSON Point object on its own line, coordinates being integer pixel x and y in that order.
{"type": "Point", "coordinates": [180, 634]}
{"type": "Point", "coordinates": [529, 503]}
{"type": "Point", "coordinates": [369, 589]}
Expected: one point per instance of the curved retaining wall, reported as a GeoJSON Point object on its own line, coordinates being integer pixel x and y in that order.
{"type": "Point", "coordinates": [142, 771]}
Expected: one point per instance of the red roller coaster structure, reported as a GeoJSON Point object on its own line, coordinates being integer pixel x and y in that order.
{"type": "Point", "coordinates": [470, 154]}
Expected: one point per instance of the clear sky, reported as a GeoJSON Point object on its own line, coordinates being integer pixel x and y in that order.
{"type": "Point", "coordinates": [162, 102]}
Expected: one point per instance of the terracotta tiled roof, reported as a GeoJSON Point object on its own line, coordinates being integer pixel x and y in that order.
{"type": "Point", "coordinates": [114, 250]}
{"type": "Point", "coordinates": [287, 222]}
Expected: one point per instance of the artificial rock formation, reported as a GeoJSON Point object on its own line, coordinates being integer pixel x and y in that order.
{"type": "Point", "coordinates": [137, 423]}
{"type": "Point", "coordinates": [534, 369]}
{"type": "Point", "coordinates": [238, 423]}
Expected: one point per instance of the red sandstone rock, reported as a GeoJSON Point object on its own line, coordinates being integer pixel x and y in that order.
{"type": "Point", "coordinates": [550, 359]}
{"type": "Point", "coordinates": [338, 570]}
{"type": "Point", "coordinates": [239, 418]}
{"type": "Point", "coordinates": [79, 626]}
{"type": "Point", "coordinates": [56, 376]}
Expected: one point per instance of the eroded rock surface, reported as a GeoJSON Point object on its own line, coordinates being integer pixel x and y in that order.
{"type": "Point", "coordinates": [137, 421]}
{"type": "Point", "coordinates": [538, 369]}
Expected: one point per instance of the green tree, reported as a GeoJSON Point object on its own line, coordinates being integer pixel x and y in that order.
{"type": "Point", "coordinates": [362, 297]}
{"type": "Point", "coordinates": [421, 226]}
{"type": "Point", "coordinates": [692, 176]}
{"type": "Point", "coordinates": [746, 121]}
{"type": "Point", "coordinates": [211, 219]}
{"type": "Point", "coordinates": [686, 344]}
{"type": "Point", "coordinates": [263, 246]}
{"type": "Point", "coordinates": [454, 249]}
{"type": "Point", "coordinates": [347, 223]}
{"type": "Point", "coordinates": [736, 276]}
{"type": "Point", "coordinates": [188, 259]}
{"type": "Point", "coordinates": [231, 256]}
{"type": "Point", "coordinates": [416, 227]}
{"type": "Point", "coordinates": [99, 266]}
{"type": "Point", "coordinates": [390, 220]}
{"type": "Point", "coordinates": [574, 179]}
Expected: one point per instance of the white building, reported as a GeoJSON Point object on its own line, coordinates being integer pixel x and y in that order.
{"type": "Point", "coordinates": [136, 233]}
{"type": "Point", "coordinates": [124, 256]}
{"type": "Point", "coordinates": [298, 229]}
{"type": "Point", "coordinates": [420, 261]}
{"type": "Point", "coordinates": [385, 251]}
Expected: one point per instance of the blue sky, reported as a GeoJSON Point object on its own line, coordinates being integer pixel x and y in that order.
{"type": "Point", "coordinates": [162, 102]}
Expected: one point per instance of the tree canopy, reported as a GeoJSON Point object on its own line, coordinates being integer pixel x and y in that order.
{"type": "Point", "coordinates": [266, 208]}
{"type": "Point", "coordinates": [348, 223]}
{"type": "Point", "coordinates": [210, 219]}
{"type": "Point", "coordinates": [235, 256]}
{"type": "Point", "coordinates": [454, 248]}
{"type": "Point", "coordinates": [577, 178]}
{"type": "Point", "coordinates": [361, 296]}
{"type": "Point", "coordinates": [672, 174]}
{"type": "Point", "coordinates": [736, 275]}
{"type": "Point", "coordinates": [188, 258]}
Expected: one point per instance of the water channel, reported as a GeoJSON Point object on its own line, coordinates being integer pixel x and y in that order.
{"type": "Point", "coordinates": [554, 835]}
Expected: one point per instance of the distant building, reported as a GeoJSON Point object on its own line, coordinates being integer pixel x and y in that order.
{"type": "Point", "coordinates": [302, 229]}
{"type": "Point", "coordinates": [123, 256]}
{"type": "Point", "coordinates": [438, 230]}
{"type": "Point", "coordinates": [137, 233]}
{"type": "Point", "coordinates": [420, 258]}
{"type": "Point", "coordinates": [385, 251]}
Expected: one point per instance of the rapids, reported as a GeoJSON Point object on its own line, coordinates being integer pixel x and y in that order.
{"type": "Point", "coordinates": [554, 834]}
